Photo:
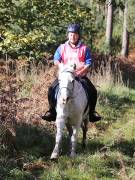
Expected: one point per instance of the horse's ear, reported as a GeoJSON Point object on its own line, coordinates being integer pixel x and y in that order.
{"type": "Point", "coordinates": [74, 66]}
{"type": "Point", "coordinates": [61, 66]}
{"type": "Point", "coordinates": [71, 67]}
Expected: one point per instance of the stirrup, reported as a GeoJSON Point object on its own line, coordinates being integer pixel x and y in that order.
{"type": "Point", "coordinates": [49, 116]}
{"type": "Point", "coordinates": [94, 117]}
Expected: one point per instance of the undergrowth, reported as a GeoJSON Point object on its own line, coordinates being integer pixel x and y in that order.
{"type": "Point", "coordinates": [110, 152]}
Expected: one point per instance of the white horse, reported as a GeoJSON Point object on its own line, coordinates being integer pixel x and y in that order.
{"type": "Point", "coordinates": [72, 110]}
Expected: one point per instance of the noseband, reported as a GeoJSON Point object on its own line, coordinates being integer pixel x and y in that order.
{"type": "Point", "coordinates": [68, 89]}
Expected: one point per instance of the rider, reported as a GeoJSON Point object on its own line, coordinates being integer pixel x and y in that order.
{"type": "Point", "coordinates": [74, 50]}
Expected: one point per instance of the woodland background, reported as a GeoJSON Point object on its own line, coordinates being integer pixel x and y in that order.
{"type": "Point", "coordinates": [33, 29]}
{"type": "Point", "coordinates": [30, 32]}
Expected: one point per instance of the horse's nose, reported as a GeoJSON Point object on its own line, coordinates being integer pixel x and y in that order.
{"type": "Point", "coordinates": [65, 100]}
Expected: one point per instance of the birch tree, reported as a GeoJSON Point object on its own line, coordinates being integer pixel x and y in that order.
{"type": "Point", "coordinates": [109, 23]}
{"type": "Point", "coordinates": [125, 35]}
{"type": "Point", "coordinates": [128, 26]}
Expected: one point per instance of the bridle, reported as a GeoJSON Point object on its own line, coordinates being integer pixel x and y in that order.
{"type": "Point", "coordinates": [68, 89]}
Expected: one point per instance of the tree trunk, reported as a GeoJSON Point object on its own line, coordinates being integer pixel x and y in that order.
{"type": "Point", "coordinates": [109, 22]}
{"type": "Point", "coordinates": [125, 35]}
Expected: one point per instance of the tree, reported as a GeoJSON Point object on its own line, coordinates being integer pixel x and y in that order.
{"type": "Point", "coordinates": [128, 25]}
{"type": "Point", "coordinates": [125, 36]}
{"type": "Point", "coordinates": [31, 27]}
{"type": "Point", "coordinates": [109, 24]}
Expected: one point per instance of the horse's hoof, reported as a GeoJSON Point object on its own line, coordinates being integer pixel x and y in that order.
{"type": "Point", "coordinates": [54, 156]}
{"type": "Point", "coordinates": [73, 155]}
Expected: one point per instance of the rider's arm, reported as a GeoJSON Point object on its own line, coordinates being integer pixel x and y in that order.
{"type": "Point", "coordinates": [57, 56]}
{"type": "Point", "coordinates": [88, 58]}
{"type": "Point", "coordinates": [57, 63]}
{"type": "Point", "coordinates": [88, 61]}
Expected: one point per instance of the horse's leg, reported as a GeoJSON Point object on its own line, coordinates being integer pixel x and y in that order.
{"type": "Point", "coordinates": [84, 129]}
{"type": "Point", "coordinates": [74, 142]}
{"type": "Point", "coordinates": [58, 139]}
{"type": "Point", "coordinates": [70, 132]}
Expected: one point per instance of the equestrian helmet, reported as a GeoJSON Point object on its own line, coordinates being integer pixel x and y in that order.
{"type": "Point", "coordinates": [74, 28]}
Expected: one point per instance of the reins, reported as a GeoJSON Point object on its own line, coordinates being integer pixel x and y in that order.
{"type": "Point", "coordinates": [64, 87]}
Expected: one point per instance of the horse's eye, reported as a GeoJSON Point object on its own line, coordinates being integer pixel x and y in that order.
{"type": "Point", "coordinates": [73, 81]}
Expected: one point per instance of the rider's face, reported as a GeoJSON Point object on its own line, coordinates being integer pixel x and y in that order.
{"type": "Point", "coordinates": [73, 37]}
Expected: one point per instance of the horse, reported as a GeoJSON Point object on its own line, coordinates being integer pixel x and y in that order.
{"type": "Point", "coordinates": [71, 108]}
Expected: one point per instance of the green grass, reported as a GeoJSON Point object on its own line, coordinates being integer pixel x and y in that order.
{"type": "Point", "coordinates": [109, 154]}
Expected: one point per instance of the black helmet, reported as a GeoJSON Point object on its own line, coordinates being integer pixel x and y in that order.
{"type": "Point", "coordinates": [74, 28]}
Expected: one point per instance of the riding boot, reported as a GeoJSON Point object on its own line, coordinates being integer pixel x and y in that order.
{"type": "Point", "coordinates": [50, 115]}
{"type": "Point", "coordinates": [93, 115]}
{"type": "Point", "coordinates": [92, 99]}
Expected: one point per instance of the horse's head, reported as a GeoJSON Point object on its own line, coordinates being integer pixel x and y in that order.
{"type": "Point", "coordinates": [67, 67]}
{"type": "Point", "coordinates": [66, 79]}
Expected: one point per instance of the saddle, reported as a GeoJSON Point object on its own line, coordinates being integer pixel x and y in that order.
{"type": "Point", "coordinates": [53, 92]}
{"type": "Point", "coordinates": [86, 89]}
{"type": "Point", "coordinates": [84, 85]}
{"type": "Point", "coordinates": [52, 98]}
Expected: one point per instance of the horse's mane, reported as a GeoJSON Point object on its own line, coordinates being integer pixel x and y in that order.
{"type": "Point", "coordinates": [71, 67]}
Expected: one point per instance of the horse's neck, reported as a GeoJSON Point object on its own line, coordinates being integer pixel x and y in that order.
{"type": "Point", "coordinates": [78, 89]}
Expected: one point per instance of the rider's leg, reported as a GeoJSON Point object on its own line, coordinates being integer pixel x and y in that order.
{"type": "Point", "coordinates": [92, 93]}
{"type": "Point", "coordinates": [50, 115]}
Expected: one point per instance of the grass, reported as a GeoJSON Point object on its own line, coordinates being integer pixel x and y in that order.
{"type": "Point", "coordinates": [109, 154]}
